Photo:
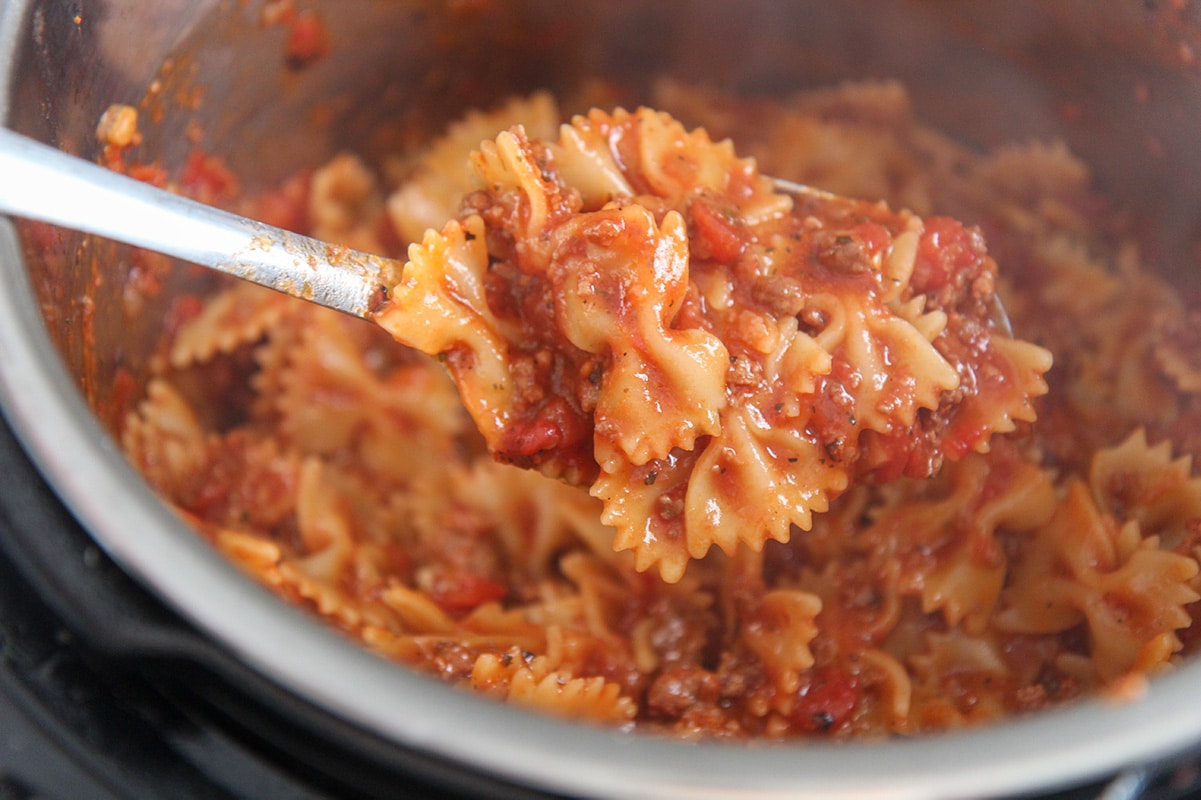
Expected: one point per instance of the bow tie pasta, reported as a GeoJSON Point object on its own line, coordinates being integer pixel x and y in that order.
{"type": "Point", "coordinates": [634, 308]}
{"type": "Point", "coordinates": [630, 306]}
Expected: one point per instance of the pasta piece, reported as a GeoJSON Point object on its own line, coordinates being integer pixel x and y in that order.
{"type": "Point", "coordinates": [845, 341]}
{"type": "Point", "coordinates": [418, 612]}
{"type": "Point", "coordinates": [949, 673]}
{"type": "Point", "coordinates": [240, 316]}
{"type": "Point", "coordinates": [323, 523]}
{"type": "Point", "coordinates": [443, 173]}
{"type": "Point", "coordinates": [341, 471]}
{"type": "Point", "coordinates": [779, 633]}
{"type": "Point", "coordinates": [329, 401]}
{"type": "Point", "coordinates": [1146, 484]}
{"type": "Point", "coordinates": [274, 357]}
{"type": "Point", "coordinates": [1086, 567]}
{"type": "Point", "coordinates": [533, 518]}
{"type": "Point", "coordinates": [534, 685]}
{"type": "Point", "coordinates": [854, 139]}
{"type": "Point", "coordinates": [969, 574]}
{"type": "Point", "coordinates": [677, 376]}
{"type": "Point", "coordinates": [253, 552]}
{"type": "Point", "coordinates": [345, 206]}
{"type": "Point", "coordinates": [1178, 351]}
{"type": "Point", "coordinates": [165, 440]}
{"type": "Point", "coordinates": [456, 319]}
{"type": "Point", "coordinates": [887, 679]}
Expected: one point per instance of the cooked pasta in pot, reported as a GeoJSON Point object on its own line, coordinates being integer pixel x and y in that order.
{"type": "Point", "coordinates": [635, 308]}
{"type": "Point", "coordinates": [342, 470]}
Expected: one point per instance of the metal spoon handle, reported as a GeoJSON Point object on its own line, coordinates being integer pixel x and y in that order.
{"type": "Point", "coordinates": [41, 183]}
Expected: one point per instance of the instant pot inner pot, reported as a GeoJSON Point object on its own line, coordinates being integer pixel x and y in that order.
{"type": "Point", "coordinates": [1117, 81]}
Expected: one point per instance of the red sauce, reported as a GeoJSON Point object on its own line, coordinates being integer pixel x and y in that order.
{"type": "Point", "coordinates": [308, 39]}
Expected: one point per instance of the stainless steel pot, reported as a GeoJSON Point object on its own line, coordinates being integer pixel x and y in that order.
{"type": "Point", "coordinates": [1118, 80]}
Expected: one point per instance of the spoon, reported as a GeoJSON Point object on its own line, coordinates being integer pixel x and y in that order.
{"type": "Point", "coordinates": [45, 184]}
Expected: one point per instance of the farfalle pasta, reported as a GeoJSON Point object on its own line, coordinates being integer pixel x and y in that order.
{"type": "Point", "coordinates": [635, 308]}
{"type": "Point", "coordinates": [975, 548]}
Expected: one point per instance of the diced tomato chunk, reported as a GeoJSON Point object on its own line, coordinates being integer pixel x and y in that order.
{"type": "Point", "coordinates": [463, 591]}
{"type": "Point", "coordinates": [554, 426]}
{"type": "Point", "coordinates": [946, 249]}
{"type": "Point", "coordinates": [532, 437]}
{"type": "Point", "coordinates": [716, 237]}
{"type": "Point", "coordinates": [873, 235]}
{"type": "Point", "coordinates": [827, 701]}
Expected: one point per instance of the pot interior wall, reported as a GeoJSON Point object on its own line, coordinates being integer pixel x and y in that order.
{"type": "Point", "coordinates": [1116, 82]}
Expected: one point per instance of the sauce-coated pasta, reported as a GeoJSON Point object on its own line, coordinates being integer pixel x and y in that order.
{"type": "Point", "coordinates": [634, 308]}
{"type": "Point", "coordinates": [943, 581]}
